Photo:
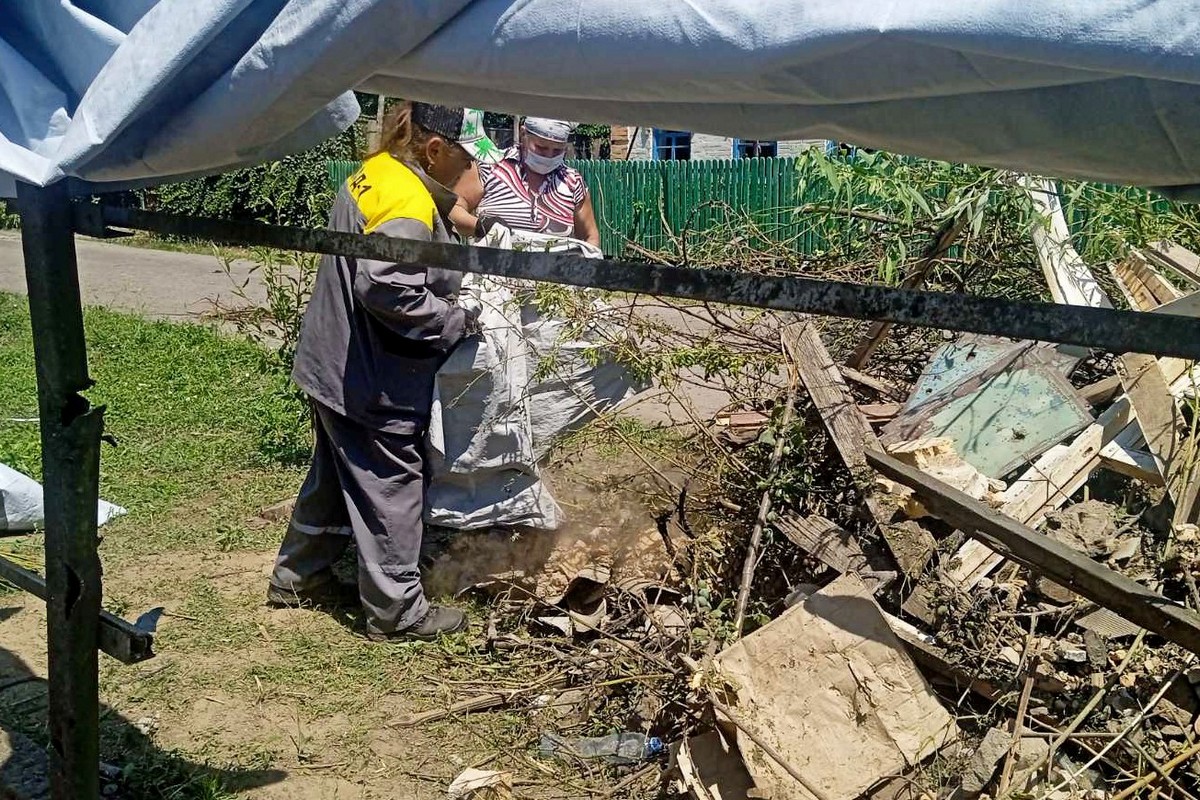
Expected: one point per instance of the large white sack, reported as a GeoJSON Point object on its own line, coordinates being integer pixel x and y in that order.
{"type": "Point", "coordinates": [502, 399]}
{"type": "Point", "coordinates": [21, 506]}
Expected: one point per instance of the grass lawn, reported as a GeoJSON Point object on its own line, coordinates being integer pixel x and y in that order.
{"type": "Point", "coordinates": [241, 700]}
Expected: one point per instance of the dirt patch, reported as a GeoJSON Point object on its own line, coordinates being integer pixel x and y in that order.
{"type": "Point", "coordinates": [296, 703]}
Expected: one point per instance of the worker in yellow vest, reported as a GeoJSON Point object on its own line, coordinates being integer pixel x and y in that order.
{"type": "Point", "coordinates": [373, 337]}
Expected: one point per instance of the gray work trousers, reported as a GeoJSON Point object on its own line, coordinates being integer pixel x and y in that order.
{"type": "Point", "coordinates": [368, 484]}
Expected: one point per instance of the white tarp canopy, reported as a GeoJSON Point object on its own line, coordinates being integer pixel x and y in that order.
{"type": "Point", "coordinates": [120, 92]}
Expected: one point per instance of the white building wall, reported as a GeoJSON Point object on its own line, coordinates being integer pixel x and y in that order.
{"type": "Point", "coordinates": [706, 146]}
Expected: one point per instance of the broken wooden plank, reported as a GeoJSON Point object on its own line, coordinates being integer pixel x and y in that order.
{"type": "Point", "coordinates": [829, 542]}
{"type": "Point", "coordinates": [1143, 294]}
{"type": "Point", "coordinates": [1157, 414]}
{"type": "Point", "coordinates": [833, 546]}
{"type": "Point", "coordinates": [943, 240]}
{"type": "Point", "coordinates": [1155, 400]}
{"type": "Point", "coordinates": [1049, 557]}
{"type": "Point", "coordinates": [848, 428]}
{"type": "Point", "coordinates": [1048, 484]}
{"type": "Point", "coordinates": [1181, 261]}
{"type": "Point", "coordinates": [882, 387]}
{"type": "Point", "coordinates": [1186, 306]}
{"type": "Point", "coordinates": [1100, 392]}
{"type": "Point", "coordinates": [879, 412]}
{"type": "Point", "coordinates": [1069, 279]}
{"type": "Point", "coordinates": [1161, 289]}
{"type": "Point", "coordinates": [1125, 455]}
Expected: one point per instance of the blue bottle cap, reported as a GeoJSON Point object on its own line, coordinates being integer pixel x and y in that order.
{"type": "Point", "coordinates": [654, 746]}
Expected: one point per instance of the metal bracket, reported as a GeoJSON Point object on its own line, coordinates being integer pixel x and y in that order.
{"type": "Point", "coordinates": [118, 638]}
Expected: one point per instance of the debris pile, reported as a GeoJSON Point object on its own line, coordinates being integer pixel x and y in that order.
{"type": "Point", "coordinates": [1001, 600]}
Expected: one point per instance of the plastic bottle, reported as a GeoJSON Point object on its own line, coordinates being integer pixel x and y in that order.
{"type": "Point", "coordinates": [616, 749]}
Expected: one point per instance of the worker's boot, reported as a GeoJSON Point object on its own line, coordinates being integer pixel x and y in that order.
{"type": "Point", "coordinates": [438, 620]}
{"type": "Point", "coordinates": [329, 593]}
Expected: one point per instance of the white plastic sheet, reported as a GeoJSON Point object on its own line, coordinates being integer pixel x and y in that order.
{"type": "Point", "coordinates": [21, 507]}
{"type": "Point", "coordinates": [126, 91]}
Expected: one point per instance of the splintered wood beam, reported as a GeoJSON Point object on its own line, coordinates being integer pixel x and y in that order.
{"type": "Point", "coordinates": [883, 388]}
{"type": "Point", "coordinates": [1100, 392]}
{"type": "Point", "coordinates": [943, 240]}
{"type": "Point", "coordinates": [1125, 455]}
{"type": "Point", "coordinates": [1147, 382]}
{"type": "Point", "coordinates": [1154, 405]}
{"type": "Point", "coordinates": [833, 546]}
{"type": "Point", "coordinates": [846, 424]}
{"type": "Point", "coordinates": [1057, 561]}
{"type": "Point", "coordinates": [1070, 280]}
{"type": "Point", "coordinates": [1161, 289]}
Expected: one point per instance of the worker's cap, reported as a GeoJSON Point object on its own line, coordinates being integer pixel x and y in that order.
{"type": "Point", "coordinates": [463, 126]}
{"type": "Point", "coordinates": [556, 130]}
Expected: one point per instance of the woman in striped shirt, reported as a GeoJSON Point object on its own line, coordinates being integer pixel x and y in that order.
{"type": "Point", "coordinates": [530, 189]}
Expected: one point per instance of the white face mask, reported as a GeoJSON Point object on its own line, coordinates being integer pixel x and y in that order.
{"type": "Point", "coordinates": [543, 165]}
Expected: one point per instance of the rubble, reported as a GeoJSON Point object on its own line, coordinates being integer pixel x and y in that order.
{"type": "Point", "coordinates": [983, 764]}
{"type": "Point", "coordinates": [984, 608]}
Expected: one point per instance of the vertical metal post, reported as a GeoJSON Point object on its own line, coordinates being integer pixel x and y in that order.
{"type": "Point", "coordinates": [70, 431]}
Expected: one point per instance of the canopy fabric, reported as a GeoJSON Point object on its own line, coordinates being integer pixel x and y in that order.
{"type": "Point", "coordinates": [124, 92]}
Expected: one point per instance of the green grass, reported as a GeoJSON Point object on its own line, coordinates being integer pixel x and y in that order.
{"type": "Point", "coordinates": [192, 412]}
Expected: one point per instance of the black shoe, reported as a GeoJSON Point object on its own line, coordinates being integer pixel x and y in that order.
{"type": "Point", "coordinates": [328, 594]}
{"type": "Point", "coordinates": [438, 620]}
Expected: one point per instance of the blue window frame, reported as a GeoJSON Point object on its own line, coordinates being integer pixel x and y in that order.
{"type": "Point", "coordinates": [672, 145]}
{"type": "Point", "coordinates": [755, 148]}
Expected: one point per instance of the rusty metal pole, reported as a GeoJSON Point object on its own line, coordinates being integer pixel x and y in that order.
{"type": "Point", "coordinates": [70, 430]}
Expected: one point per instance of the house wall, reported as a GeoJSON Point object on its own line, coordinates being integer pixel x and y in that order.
{"type": "Point", "coordinates": [704, 146]}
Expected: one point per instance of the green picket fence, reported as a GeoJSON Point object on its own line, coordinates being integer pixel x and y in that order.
{"type": "Point", "coordinates": [651, 204]}
{"type": "Point", "coordinates": [648, 203]}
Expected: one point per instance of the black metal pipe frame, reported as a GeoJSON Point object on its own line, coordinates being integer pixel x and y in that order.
{"type": "Point", "coordinates": [70, 432]}
{"type": "Point", "coordinates": [1106, 329]}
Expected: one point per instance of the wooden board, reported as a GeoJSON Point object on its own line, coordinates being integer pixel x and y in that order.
{"type": "Point", "coordinates": [1160, 288]}
{"type": "Point", "coordinates": [1051, 558]}
{"type": "Point", "coordinates": [937, 249]}
{"type": "Point", "coordinates": [833, 546]}
{"type": "Point", "coordinates": [1135, 290]}
{"type": "Point", "coordinates": [1069, 279]}
{"type": "Point", "coordinates": [883, 388]}
{"type": "Point", "coordinates": [1126, 455]}
{"type": "Point", "coordinates": [848, 428]}
{"type": "Point", "coordinates": [1100, 392]}
{"type": "Point", "coordinates": [1046, 485]}
{"type": "Point", "coordinates": [1169, 255]}
{"type": "Point", "coordinates": [1154, 405]}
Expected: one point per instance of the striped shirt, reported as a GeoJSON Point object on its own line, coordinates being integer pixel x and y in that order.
{"type": "Point", "coordinates": [506, 195]}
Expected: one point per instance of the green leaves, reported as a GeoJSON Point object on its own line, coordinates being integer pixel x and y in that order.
{"type": "Point", "coordinates": [292, 191]}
